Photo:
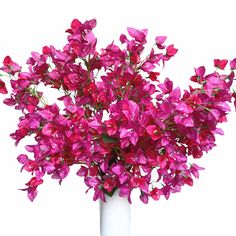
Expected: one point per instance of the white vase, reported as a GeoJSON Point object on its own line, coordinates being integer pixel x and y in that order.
{"type": "Point", "coordinates": [115, 216]}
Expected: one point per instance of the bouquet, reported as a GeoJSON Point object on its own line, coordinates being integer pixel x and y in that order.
{"type": "Point", "coordinates": [113, 115]}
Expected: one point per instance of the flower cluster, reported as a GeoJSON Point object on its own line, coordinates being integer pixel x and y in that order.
{"type": "Point", "coordinates": [114, 118]}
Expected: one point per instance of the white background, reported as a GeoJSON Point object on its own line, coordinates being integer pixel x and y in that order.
{"type": "Point", "coordinates": [202, 30]}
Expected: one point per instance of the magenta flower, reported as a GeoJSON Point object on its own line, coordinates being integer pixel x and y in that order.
{"type": "Point", "coordinates": [170, 52]}
{"type": "Point", "coordinates": [166, 87]}
{"type": "Point", "coordinates": [154, 132]}
{"type": "Point", "coordinates": [114, 116]}
{"type": "Point", "coordinates": [221, 64]}
{"type": "Point", "coordinates": [10, 66]}
{"type": "Point", "coordinates": [233, 64]}
{"type": "Point", "coordinates": [3, 88]}
{"type": "Point", "coordinates": [128, 135]}
{"type": "Point", "coordinates": [32, 187]}
{"type": "Point", "coordinates": [160, 40]}
{"type": "Point", "coordinates": [138, 35]}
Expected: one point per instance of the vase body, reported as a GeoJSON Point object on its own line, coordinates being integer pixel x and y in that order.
{"type": "Point", "coordinates": [115, 216]}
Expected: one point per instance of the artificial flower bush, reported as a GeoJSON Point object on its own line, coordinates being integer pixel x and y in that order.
{"type": "Point", "coordinates": [113, 117]}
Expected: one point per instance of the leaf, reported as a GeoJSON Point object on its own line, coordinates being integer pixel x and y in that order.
{"type": "Point", "coordinates": [107, 139]}
{"type": "Point", "coordinates": [110, 194]}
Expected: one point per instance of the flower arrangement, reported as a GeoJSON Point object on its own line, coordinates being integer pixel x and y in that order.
{"type": "Point", "coordinates": [113, 116]}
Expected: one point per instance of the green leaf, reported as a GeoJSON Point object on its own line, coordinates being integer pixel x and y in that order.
{"type": "Point", "coordinates": [110, 194]}
{"type": "Point", "coordinates": [107, 139]}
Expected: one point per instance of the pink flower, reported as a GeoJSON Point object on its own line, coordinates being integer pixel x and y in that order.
{"type": "Point", "coordinates": [75, 25]}
{"type": "Point", "coordinates": [10, 66]}
{"type": "Point", "coordinates": [125, 191]}
{"type": "Point", "coordinates": [160, 40]}
{"type": "Point", "coordinates": [167, 86]}
{"type": "Point", "coordinates": [81, 39]}
{"type": "Point", "coordinates": [183, 107]}
{"type": "Point", "coordinates": [61, 172]}
{"type": "Point", "coordinates": [135, 58]}
{"type": "Point", "coordinates": [83, 171]}
{"type": "Point", "coordinates": [200, 71]}
{"type": "Point", "coordinates": [147, 67]}
{"type": "Point", "coordinates": [155, 193]}
{"type": "Point", "coordinates": [138, 35]}
{"type": "Point", "coordinates": [170, 52]}
{"type": "Point", "coordinates": [199, 76]}
{"type": "Point", "coordinates": [233, 64]}
{"type": "Point", "coordinates": [185, 121]}
{"type": "Point", "coordinates": [127, 136]}
{"type": "Point", "coordinates": [153, 75]}
{"type": "Point", "coordinates": [144, 197]}
{"type": "Point", "coordinates": [71, 81]}
{"type": "Point", "coordinates": [123, 38]}
{"type": "Point", "coordinates": [111, 127]}
{"type": "Point", "coordinates": [130, 109]}
{"type": "Point", "coordinates": [48, 130]}
{"type": "Point", "coordinates": [32, 187]}
{"type": "Point", "coordinates": [3, 88]}
{"type": "Point", "coordinates": [23, 159]}
{"type": "Point", "coordinates": [221, 64]}
{"type": "Point", "coordinates": [195, 169]}
{"type": "Point", "coordinates": [154, 132]}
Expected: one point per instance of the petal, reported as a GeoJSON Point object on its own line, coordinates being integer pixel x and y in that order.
{"type": "Point", "coordinates": [221, 64]}
{"type": "Point", "coordinates": [171, 51]}
{"type": "Point", "coordinates": [147, 66]}
{"type": "Point", "coordinates": [3, 88]}
{"type": "Point", "coordinates": [22, 158]}
{"type": "Point", "coordinates": [138, 35]}
{"type": "Point", "coordinates": [123, 178]}
{"type": "Point", "coordinates": [183, 107]}
{"type": "Point", "coordinates": [48, 130]}
{"type": "Point", "coordinates": [118, 169]}
{"type": "Point", "coordinates": [187, 122]}
{"type": "Point", "coordinates": [144, 197]}
{"type": "Point", "coordinates": [233, 64]}
{"type": "Point", "coordinates": [134, 138]}
{"type": "Point", "coordinates": [200, 71]}
{"type": "Point", "coordinates": [83, 171]}
{"type": "Point", "coordinates": [160, 40]}
{"type": "Point", "coordinates": [32, 193]}
{"type": "Point", "coordinates": [124, 191]}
